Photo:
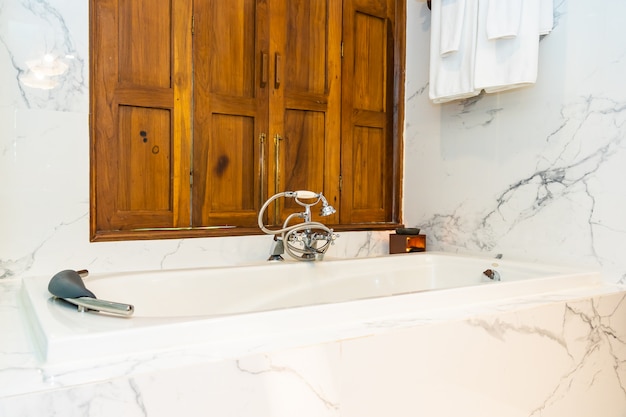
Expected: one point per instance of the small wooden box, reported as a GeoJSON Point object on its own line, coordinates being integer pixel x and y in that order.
{"type": "Point", "coordinates": [406, 243]}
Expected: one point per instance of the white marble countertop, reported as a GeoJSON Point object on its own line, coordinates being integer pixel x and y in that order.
{"type": "Point", "coordinates": [21, 371]}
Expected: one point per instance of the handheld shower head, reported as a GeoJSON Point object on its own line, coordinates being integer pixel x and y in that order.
{"type": "Point", "coordinates": [326, 209]}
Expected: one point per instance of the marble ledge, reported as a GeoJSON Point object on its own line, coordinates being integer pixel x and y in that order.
{"type": "Point", "coordinates": [21, 372]}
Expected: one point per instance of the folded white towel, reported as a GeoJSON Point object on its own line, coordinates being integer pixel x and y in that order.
{"type": "Point", "coordinates": [546, 17]}
{"type": "Point", "coordinates": [503, 18]}
{"type": "Point", "coordinates": [452, 74]}
{"type": "Point", "coordinates": [502, 64]}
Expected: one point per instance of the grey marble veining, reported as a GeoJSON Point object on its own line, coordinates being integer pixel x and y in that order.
{"type": "Point", "coordinates": [263, 366]}
{"type": "Point", "coordinates": [536, 173]}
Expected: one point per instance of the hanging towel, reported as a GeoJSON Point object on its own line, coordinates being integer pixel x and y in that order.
{"type": "Point", "coordinates": [502, 64]}
{"type": "Point", "coordinates": [452, 62]}
{"type": "Point", "coordinates": [546, 17]}
{"type": "Point", "coordinates": [503, 18]}
{"type": "Point", "coordinates": [451, 25]}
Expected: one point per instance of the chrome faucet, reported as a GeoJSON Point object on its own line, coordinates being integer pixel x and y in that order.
{"type": "Point", "coordinates": [302, 240]}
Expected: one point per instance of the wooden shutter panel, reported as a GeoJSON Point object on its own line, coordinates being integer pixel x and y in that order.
{"type": "Point", "coordinates": [368, 150]}
{"type": "Point", "coordinates": [140, 94]}
{"type": "Point", "coordinates": [230, 111]}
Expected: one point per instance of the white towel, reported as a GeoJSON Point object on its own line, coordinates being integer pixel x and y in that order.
{"type": "Point", "coordinates": [502, 64]}
{"type": "Point", "coordinates": [452, 74]}
{"type": "Point", "coordinates": [503, 18]}
{"type": "Point", "coordinates": [546, 17]}
{"type": "Point", "coordinates": [450, 25]}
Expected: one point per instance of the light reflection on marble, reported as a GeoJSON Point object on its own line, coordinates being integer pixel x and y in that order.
{"type": "Point", "coordinates": [47, 69]}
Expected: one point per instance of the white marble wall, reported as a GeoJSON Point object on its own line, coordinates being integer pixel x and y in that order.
{"type": "Point", "coordinates": [537, 173]}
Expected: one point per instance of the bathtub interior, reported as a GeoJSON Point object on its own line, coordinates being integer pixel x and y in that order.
{"type": "Point", "coordinates": [224, 291]}
{"type": "Point", "coordinates": [270, 286]}
{"type": "Point", "coordinates": [221, 306]}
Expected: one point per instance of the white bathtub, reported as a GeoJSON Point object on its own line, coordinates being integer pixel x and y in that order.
{"type": "Point", "coordinates": [231, 309]}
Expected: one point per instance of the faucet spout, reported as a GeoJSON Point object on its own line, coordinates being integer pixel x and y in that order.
{"type": "Point", "coordinates": [277, 250]}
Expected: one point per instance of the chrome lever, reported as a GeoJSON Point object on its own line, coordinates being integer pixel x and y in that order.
{"type": "Point", "coordinates": [88, 303]}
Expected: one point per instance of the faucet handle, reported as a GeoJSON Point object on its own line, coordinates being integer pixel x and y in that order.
{"type": "Point", "coordinates": [305, 194]}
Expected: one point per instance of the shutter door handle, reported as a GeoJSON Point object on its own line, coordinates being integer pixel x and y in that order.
{"type": "Point", "coordinates": [264, 65]}
{"type": "Point", "coordinates": [278, 75]}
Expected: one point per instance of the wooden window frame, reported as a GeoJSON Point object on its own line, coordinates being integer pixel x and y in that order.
{"type": "Point", "coordinates": [399, 63]}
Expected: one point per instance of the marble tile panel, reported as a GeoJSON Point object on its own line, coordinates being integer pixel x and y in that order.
{"type": "Point", "coordinates": [534, 173]}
